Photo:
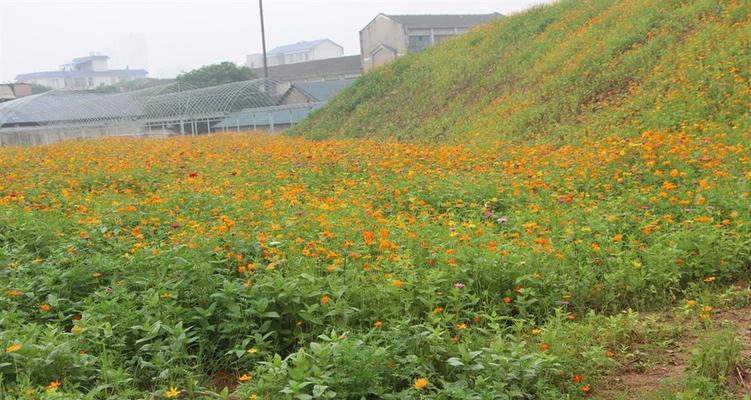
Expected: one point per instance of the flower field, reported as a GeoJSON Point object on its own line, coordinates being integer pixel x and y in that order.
{"type": "Point", "coordinates": [289, 268]}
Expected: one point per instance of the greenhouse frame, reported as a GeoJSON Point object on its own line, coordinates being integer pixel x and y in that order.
{"type": "Point", "coordinates": [173, 109]}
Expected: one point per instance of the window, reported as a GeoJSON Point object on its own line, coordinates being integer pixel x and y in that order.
{"type": "Point", "coordinates": [418, 43]}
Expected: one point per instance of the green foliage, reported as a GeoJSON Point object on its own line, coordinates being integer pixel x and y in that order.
{"type": "Point", "coordinates": [37, 89]}
{"type": "Point", "coordinates": [216, 74]}
{"type": "Point", "coordinates": [571, 69]}
{"type": "Point", "coordinates": [718, 355]}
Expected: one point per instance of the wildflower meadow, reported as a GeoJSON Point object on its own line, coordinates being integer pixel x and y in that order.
{"type": "Point", "coordinates": [287, 268]}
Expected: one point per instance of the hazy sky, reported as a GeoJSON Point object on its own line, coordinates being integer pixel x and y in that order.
{"type": "Point", "coordinates": [37, 35]}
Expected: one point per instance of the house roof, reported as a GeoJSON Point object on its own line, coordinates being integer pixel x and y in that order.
{"type": "Point", "coordinates": [83, 74]}
{"type": "Point", "coordinates": [318, 69]}
{"type": "Point", "coordinates": [80, 60]}
{"type": "Point", "coordinates": [299, 46]}
{"type": "Point", "coordinates": [323, 90]}
{"type": "Point", "coordinates": [443, 21]}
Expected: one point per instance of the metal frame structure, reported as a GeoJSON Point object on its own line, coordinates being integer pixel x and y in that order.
{"type": "Point", "coordinates": [171, 109]}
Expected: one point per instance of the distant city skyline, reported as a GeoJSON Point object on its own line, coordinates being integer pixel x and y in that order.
{"type": "Point", "coordinates": [170, 36]}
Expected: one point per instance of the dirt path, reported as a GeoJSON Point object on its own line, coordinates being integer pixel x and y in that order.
{"type": "Point", "coordinates": [632, 382]}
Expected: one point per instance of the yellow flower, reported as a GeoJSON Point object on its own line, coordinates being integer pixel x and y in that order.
{"type": "Point", "coordinates": [461, 326]}
{"type": "Point", "coordinates": [691, 303]}
{"type": "Point", "coordinates": [252, 350]}
{"type": "Point", "coordinates": [710, 279]}
{"type": "Point", "coordinates": [76, 329]}
{"type": "Point", "coordinates": [536, 331]}
{"type": "Point", "coordinates": [172, 392]}
{"type": "Point", "coordinates": [245, 378]}
{"type": "Point", "coordinates": [421, 383]}
{"type": "Point", "coordinates": [13, 348]}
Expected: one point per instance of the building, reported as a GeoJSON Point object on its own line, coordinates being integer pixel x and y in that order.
{"type": "Point", "coordinates": [320, 70]}
{"type": "Point", "coordinates": [388, 37]}
{"type": "Point", "coordinates": [297, 102]}
{"type": "Point", "coordinates": [83, 73]}
{"type": "Point", "coordinates": [296, 53]}
{"type": "Point", "coordinates": [14, 91]}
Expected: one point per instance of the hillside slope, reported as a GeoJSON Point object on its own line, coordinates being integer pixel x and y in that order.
{"type": "Point", "coordinates": [572, 68]}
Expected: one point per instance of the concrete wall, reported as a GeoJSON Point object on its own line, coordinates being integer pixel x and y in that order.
{"type": "Point", "coordinates": [380, 32]}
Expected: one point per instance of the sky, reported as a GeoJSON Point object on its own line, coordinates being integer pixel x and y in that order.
{"type": "Point", "coordinates": [170, 36]}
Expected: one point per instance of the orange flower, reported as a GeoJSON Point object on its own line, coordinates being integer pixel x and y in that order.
{"type": "Point", "coordinates": [368, 237]}
{"type": "Point", "coordinates": [437, 310]}
{"type": "Point", "coordinates": [245, 378]}
{"type": "Point", "coordinates": [396, 283]}
{"type": "Point", "coordinates": [45, 307]}
{"type": "Point", "coordinates": [586, 389]}
{"type": "Point", "coordinates": [544, 347]}
{"type": "Point", "coordinates": [421, 383]}
{"type": "Point", "coordinates": [53, 386]}
{"type": "Point", "coordinates": [378, 324]}
{"type": "Point", "coordinates": [325, 299]}
{"type": "Point", "coordinates": [577, 379]}
{"type": "Point", "coordinates": [507, 300]}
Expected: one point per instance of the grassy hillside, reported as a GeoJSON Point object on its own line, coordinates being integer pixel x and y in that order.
{"type": "Point", "coordinates": [575, 67]}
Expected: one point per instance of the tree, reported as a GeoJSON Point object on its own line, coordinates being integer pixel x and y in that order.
{"type": "Point", "coordinates": [216, 74]}
{"type": "Point", "coordinates": [36, 89]}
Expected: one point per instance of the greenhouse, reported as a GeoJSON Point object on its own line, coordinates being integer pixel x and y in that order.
{"type": "Point", "coordinates": [165, 110]}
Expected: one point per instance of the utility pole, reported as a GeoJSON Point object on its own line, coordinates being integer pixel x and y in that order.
{"type": "Point", "coordinates": [263, 39]}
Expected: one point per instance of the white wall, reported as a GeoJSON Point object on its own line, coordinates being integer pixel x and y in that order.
{"type": "Point", "coordinates": [327, 50]}
{"type": "Point", "coordinates": [99, 65]}
{"type": "Point", "coordinates": [55, 83]}
{"type": "Point", "coordinates": [381, 31]}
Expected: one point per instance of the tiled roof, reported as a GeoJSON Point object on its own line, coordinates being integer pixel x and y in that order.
{"type": "Point", "coordinates": [338, 67]}
{"type": "Point", "coordinates": [444, 21]}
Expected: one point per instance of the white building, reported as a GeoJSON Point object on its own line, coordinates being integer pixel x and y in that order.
{"type": "Point", "coordinates": [83, 73]}
{"type": "Point", "coordinates": [296, 53]}
{"type": "Point", "coordinates": [388, 37]}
